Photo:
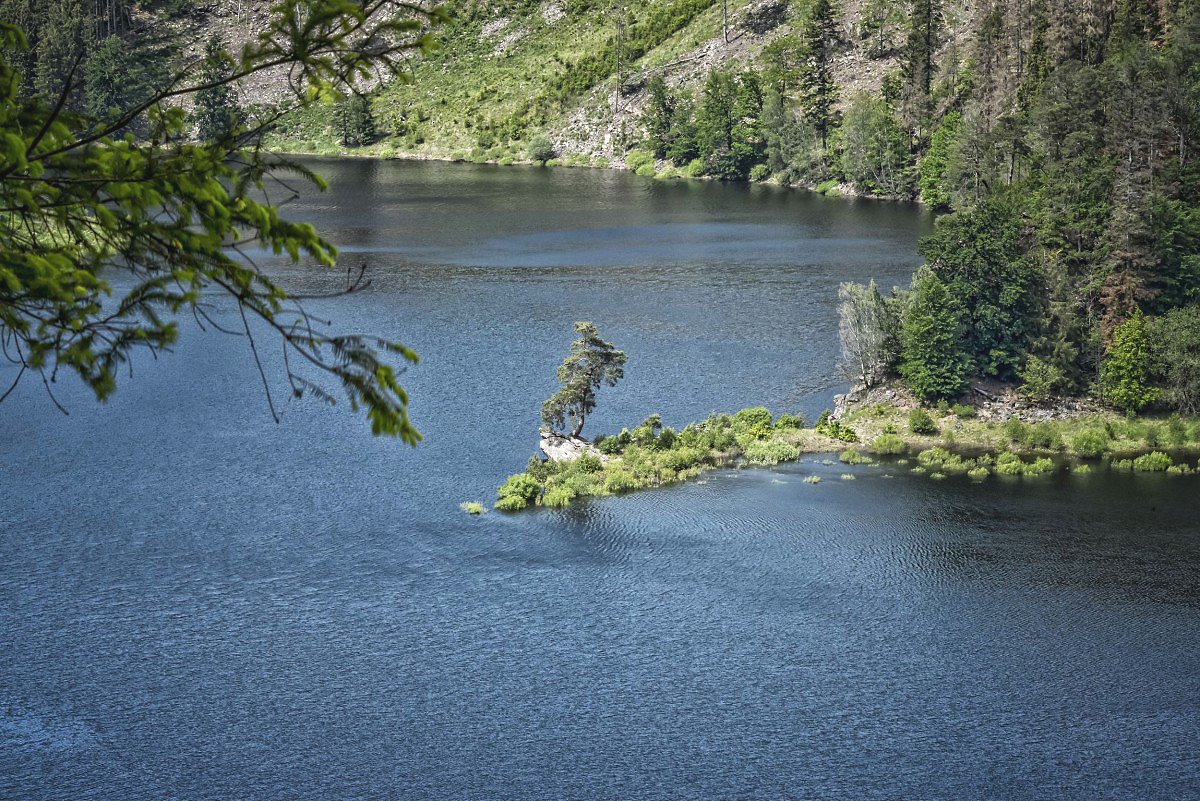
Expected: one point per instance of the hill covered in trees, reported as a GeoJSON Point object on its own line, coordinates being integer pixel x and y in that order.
{"type": "Point", "coordinates": [1056, 140]}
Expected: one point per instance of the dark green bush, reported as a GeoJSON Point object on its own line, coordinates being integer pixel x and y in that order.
{"type": "Point", "coordinates": [920, 422]}
{"type": "Point", "coordinates": [789, 421]}
{"type": "Point", "coordinates": [756, 422]}
{"type": "Point", "coordinates": [588, 464]}
{"type": "Point", "coordinates": [666, 440]}
{"type": "Point", "coordinates": [1016, 430]}
{"type": "Point", "coordinates": [1044, 436]}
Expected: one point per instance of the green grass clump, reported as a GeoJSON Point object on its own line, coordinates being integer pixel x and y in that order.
{"type": "Point", "coordinates": [888, 445]}
{"type": "Point", "coordinates": [944, 461]}
{"type": "Point", "coordinates": [812, 479]}
{"type": "Point", "coordinates": [962, 410]}
{"type": "Point", "coordinates": [1009, 464]}
{"type": "Point", "coordinates": [1153, 462]}
{"type": "Point", "coordinates": [853, 457]}
{"type": "Point", "coordinates": [978, 473]}
{"type": "Point", "coordinates": [511, 503]}
{"type": "Point", "coordinates": [771, 452]}
{"type": "Point", "coordinates": [472, 507]}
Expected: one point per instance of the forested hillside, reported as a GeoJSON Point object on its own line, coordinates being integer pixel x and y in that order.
{"type": "Point", "coordinates": [1056, 137]}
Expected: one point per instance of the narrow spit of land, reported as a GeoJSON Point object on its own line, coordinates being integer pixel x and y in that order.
{"type": "Point", "coordinates": [952, 440]}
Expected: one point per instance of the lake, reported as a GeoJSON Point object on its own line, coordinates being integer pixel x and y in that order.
{"type": "Point", "coordinates": [197, 603]}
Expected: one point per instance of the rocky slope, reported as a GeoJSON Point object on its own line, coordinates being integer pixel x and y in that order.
{"type": "Point", "coordinates": [497, 80]}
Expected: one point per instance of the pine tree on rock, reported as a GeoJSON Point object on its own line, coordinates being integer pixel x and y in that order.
{"type": "Point", "coordinates": [592, 362]}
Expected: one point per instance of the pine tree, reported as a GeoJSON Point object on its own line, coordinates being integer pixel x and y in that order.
{"type": "Point", "coordinates": [777, 127]}
{"type": "Point", "coordinates": [933, 362]}
{"type": "Point", "coordinates": [936, 189]}
{"type": "Point", "coordinates": [876, 23]}
{"type": "Point", "coordinates": [217, 113]}
{"type": "Point", "coordinates": [659, 116]}
{"type": "Point", "coordinates": [592, 363]}
{"type": "Point", "coordinates": [1125, 374]}
{"type": "Point", "coordinates": [818, 90]}
{"type": "Point", "coordinates": [746, 134]}
{"type": "Point", "coordinates": [354, 122]}
{"type": "Point", "coordinates": [60, 48]}
{"type": "Point", "coordinates": [925, 21]}
{"type": "Point", "coordinates": [875, 154]}
{"type": "Point", "coordinates": [714, 120]}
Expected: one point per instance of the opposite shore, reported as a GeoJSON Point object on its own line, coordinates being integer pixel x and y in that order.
{"type": "Point", "coordinates": [637, 162]}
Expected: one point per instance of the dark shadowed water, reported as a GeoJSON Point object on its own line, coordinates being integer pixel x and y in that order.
{"type": "Point", "coordinates": [196, 603]}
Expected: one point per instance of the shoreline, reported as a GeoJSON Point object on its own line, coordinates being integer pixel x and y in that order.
{"type": "Point", "coordinates": [672, 173]}
{"type": "Point", "coordinates": [936, 443]}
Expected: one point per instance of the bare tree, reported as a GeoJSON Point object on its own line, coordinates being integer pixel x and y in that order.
{"type": "Point", "coordinates": [862, 317]}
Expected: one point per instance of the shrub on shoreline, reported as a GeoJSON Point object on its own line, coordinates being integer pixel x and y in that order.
{"type": "Point", "coordinates": [920, 422]}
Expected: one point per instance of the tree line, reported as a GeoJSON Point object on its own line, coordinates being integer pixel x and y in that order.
{"type": "Point", "coordinates": [104, 57]}
{"type": "Point", "coordinates": [1058, 147]}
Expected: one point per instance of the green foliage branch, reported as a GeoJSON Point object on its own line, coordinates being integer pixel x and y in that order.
{"type": "Point", "coordinates": [82, 198]}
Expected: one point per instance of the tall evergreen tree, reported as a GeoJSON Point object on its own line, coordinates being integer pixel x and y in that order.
{"type": "Point", "coordinates": [61, 48]}
{"type": "Point", "coordinates": [933, 364]}
{"type": "Point", "coordinates": [747, 136]}
{"type": "Point", "coordinates": [659, 116]}
{"type": "Point", "coordinates": [1125, 375]}
{"type": "Point", "coordinates": [715, 117]}
{"type": "Point", "coordinates": [925, 23]}
{"type": "Point", "coordinates": [818, 91]}
{"type": "Point", "coordinates": [978, 255]}
{"type": "Point", "coordinates": [354, 121]}
{"type": "Point", "coordinates": [217, 113]}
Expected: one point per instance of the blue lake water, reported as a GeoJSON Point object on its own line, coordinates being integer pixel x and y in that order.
{"type": "Point", "coordinates": [197, 603]}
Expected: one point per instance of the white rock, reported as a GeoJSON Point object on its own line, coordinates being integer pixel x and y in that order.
{"type": "Point", "coordinates": [566, 449]}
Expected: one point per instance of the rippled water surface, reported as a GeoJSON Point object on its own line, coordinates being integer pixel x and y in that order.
{"type": "Point", "coordinates": [196, 603]}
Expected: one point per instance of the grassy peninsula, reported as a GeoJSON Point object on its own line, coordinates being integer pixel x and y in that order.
{"type": "Point", "coordinates": [951, 440]}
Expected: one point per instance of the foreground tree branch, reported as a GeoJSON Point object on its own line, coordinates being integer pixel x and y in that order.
{"type": "Point", "coordinates": [82, 199]}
